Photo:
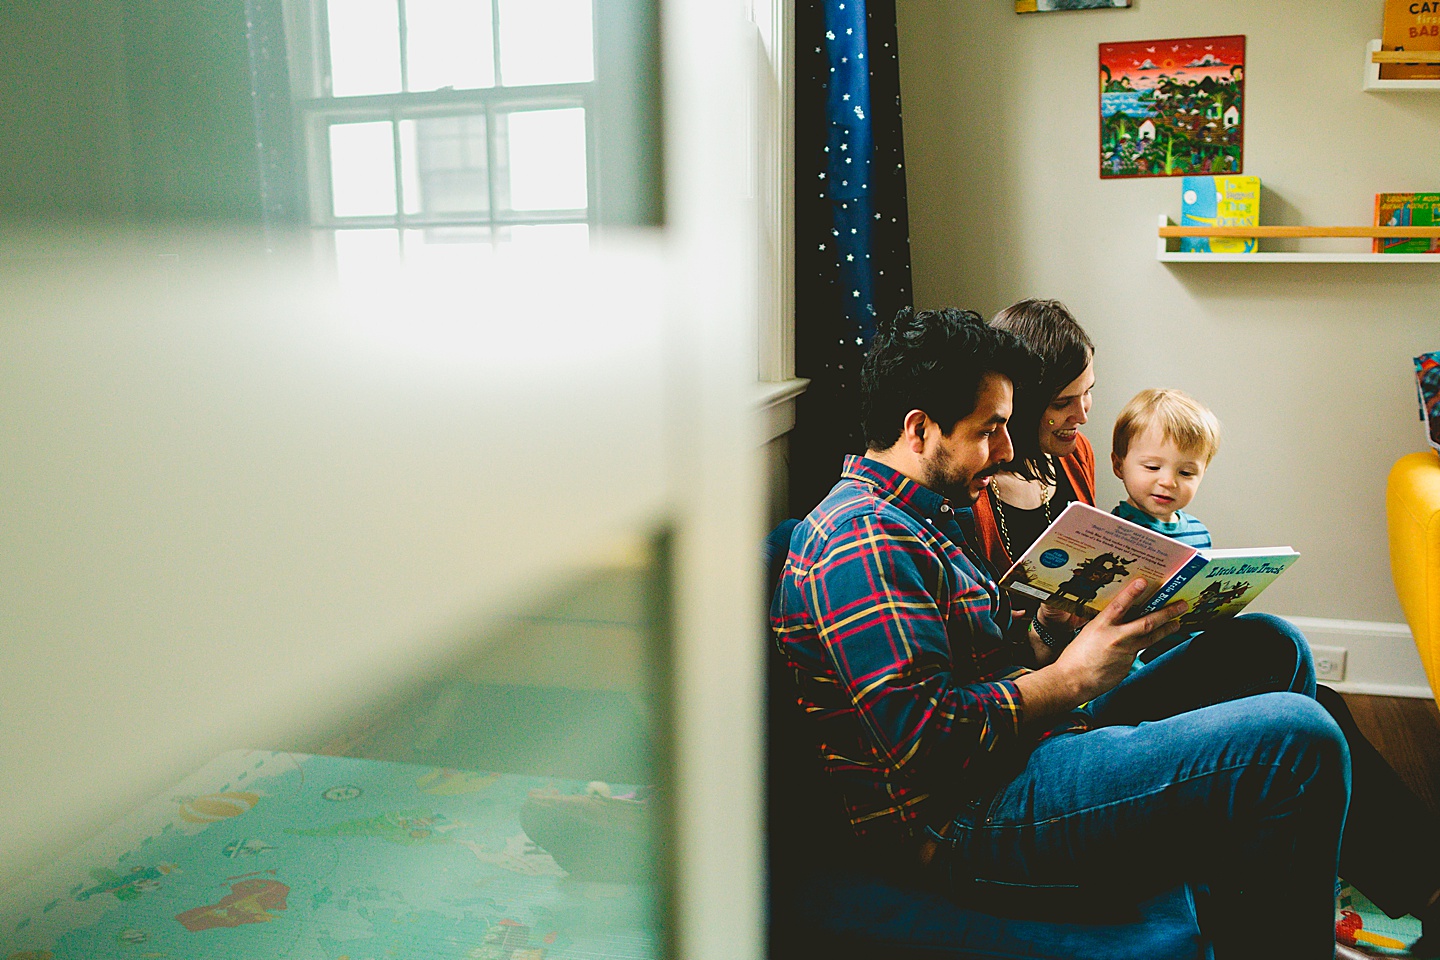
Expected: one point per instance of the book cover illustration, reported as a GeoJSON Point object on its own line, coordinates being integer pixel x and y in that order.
{"type": "Point", "coordinates": [1427, 384]}
{"type": "Point", "coordinates": [1407, 210]}
{"type": "Point", "coordinates": [1172, 107]}
{"type": "Point", "coordinates": [1411, 25]}
{"type": "Point", "coordinates": [1083, 559]}
{"type": "Point", "coordinates": [1224, 582]}
{"type": "Point", "coordinates": [1047, 6]}
{"type": "Point", "coordinates": [1219, 202]}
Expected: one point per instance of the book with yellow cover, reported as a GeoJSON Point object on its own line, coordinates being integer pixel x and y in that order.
{"type": "Point", "coordinates": [1226, 201]}
{"type": "Point", "coordinates": [1411, 25]}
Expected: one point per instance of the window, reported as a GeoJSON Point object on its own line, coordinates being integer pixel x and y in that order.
{"type": "Point", "coordinates": [431, 123]}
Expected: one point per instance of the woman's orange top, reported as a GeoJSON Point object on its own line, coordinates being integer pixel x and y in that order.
{"type": "Point", "coordinates": [1079, 468]}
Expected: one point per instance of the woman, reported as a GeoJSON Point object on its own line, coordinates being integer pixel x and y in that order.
{"type": "Point", "coordinates": [1056, 465]}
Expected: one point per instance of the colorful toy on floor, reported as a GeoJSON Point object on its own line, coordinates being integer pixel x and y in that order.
{"type": "Point", "coordinates": [1359, 923]}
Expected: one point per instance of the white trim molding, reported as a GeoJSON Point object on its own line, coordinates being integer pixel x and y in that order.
{"type": "Point", "coordinates": [772, 101]}
{"type": "Point", "coordinates": [1381, 658]}
{"type": "Point", "coordinates": [776, 404]}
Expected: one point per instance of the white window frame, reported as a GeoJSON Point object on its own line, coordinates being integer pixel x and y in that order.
{"type": "Point", "coordinates": [771, 41]}
{"type": "Point", "coordinates": [316, 110]}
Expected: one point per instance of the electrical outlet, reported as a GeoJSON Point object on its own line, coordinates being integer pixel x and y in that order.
{"type": "Point", "coordinates": [1329, 663]}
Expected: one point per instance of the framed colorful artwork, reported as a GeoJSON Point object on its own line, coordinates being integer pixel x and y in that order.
{"type": "Point", "coordinates": [1171, 108]}
{"type": "Point", "coordinates": [1047, 6]}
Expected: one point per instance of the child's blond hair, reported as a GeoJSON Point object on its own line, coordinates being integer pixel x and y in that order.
{"type": "Point", "coordinates": [1183, 421]}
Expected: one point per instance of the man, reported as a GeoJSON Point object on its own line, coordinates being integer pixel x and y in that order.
{"type": "Point", "coordinates": [956, 740]}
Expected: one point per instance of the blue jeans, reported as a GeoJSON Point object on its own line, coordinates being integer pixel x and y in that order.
{"type": "Point", "coordinates": [1213, 765]}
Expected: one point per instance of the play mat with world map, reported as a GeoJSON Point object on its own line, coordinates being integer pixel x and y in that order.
{"type": "Point", "coordinates": [287, 856]}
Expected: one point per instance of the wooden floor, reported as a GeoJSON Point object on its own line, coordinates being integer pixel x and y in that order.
{"type": "Point", "coordinates": [1406, 731]}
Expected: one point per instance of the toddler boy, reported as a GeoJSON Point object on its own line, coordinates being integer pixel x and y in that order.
{"type": "Point", "coordinates": [1163, 442]}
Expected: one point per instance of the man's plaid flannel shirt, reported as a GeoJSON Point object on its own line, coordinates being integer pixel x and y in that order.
{"type": "Point", "coordinates": [896, 636]}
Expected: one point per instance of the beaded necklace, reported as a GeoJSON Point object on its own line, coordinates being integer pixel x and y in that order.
{"type": "Point", "coordinates": [999, 506]}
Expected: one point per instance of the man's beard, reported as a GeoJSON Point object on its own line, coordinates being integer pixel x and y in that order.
{"type": "Point", "coordinates": [951, 484]}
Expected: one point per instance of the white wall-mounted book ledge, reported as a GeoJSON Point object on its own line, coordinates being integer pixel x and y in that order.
{"type": "Point", "coordinates": [1168, 232]}
{"type": "Point", "coordinates": [1375, 56]}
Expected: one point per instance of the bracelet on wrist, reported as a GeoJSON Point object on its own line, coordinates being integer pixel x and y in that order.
{"type": "Point", "coordinates": [1048, 638]}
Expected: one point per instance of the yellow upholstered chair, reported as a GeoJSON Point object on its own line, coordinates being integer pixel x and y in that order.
{"type": "Point", "coordinates": [1412, 510]}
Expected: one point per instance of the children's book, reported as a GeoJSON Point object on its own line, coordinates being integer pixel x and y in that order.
{"type": "Point", "coordinates": [1411, 25]}
{"type": "Point", "coordinates": [1232, 201]}
{"type": "Point", "coordinates": [1407, 210]}
{"type": "Point", "coordinates": [1086, 556]}
{"type": "Point", "coordinates": [1427, 383]}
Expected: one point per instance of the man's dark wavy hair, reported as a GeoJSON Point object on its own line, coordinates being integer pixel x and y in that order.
{"type": "Point", "coordinates": [933, 360]}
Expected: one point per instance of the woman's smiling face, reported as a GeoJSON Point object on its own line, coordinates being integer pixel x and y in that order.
{"type": "Point", "coordinates": [1068, 409]}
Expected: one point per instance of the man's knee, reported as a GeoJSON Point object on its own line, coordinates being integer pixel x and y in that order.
{"type": "Point", "coordinates": [1296, 734]}
{"type": "Point", "coordinates": [1279, 641]}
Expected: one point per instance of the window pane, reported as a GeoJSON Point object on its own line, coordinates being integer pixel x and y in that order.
{"type": "Point", "coordinates": [362, 169]}
{"type": "Point", "coordinates": [553, 237]}
{"type": "Point", "coordinates": [448, 44]}
{"type": "Point", "coordinates": [547, 159]}
{"type": "Point", "coordinates": [446, 248]}
{"type": "Point", "coordinates": [545, 41]}
{"type": "Point", "coordinates": [365, 256]}
{"type": "Point", "coordinates": [444, 165]}
{"type": "Point", "coordinates": [364, 47]}
{"type": "Point", "coordinates": [436, 238]}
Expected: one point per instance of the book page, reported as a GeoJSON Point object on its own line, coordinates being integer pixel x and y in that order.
{"type": "Point", "coordinates": [1086, 556]}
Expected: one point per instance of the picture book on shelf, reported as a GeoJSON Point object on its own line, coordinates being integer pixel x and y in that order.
{"type": "Point", "coordinates": [1219, 202]}
{"type": "Point", "coordinates": [1410, 25]}
{"type": "Point", "coordinates": [1407, 210]}
{"type": "Point", "coordinates": [1086, 556]}
{"type": "Point", "coordinates": [1427, 384]}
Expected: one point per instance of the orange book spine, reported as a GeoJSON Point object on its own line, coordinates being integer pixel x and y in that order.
{"type": "Point", "coordinates": [1375, 245]}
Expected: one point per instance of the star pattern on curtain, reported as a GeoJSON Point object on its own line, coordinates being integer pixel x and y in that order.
{"type": "Point", "coordinates": [853, 256]}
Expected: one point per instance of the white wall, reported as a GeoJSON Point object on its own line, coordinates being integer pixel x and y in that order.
{"type": "Point", "coordinates": [1307, 365]}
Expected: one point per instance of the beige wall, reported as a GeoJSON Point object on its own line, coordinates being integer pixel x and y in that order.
{"type": "Point", "coordinates": [1307, 365]}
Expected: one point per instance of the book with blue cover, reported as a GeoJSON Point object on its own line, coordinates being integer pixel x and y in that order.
{"type": "Point", "coordinates": [1427, 385]}
{"type": "Point", "coordinates": [1220, 201]}
{"type": "Point", "coordinates": [1086, 556]}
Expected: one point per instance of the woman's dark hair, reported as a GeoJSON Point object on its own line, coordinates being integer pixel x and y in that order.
{"type": "Point", "coordinates": [1064, 351]}
{"type": "Point", "coordinates": [933, 361]}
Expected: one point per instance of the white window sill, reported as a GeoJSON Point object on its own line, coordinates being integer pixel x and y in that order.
{"type": "Point", "coordinates": [775, 402]}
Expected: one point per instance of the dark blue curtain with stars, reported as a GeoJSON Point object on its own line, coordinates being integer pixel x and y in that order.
{"type": "Point", "coordinates": [852, 258]}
